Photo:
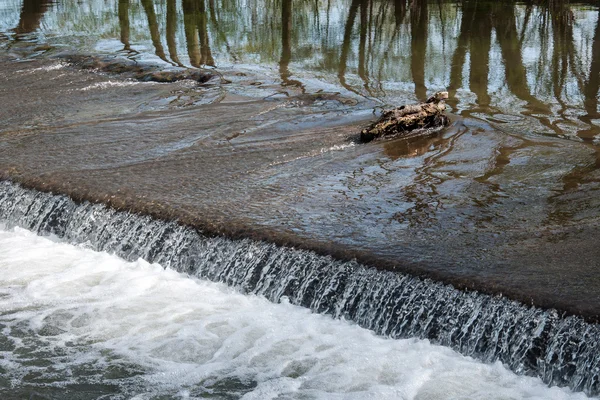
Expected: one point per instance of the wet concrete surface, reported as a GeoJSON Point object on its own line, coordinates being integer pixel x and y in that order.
{"type": "Point", "coordinates": [479, 205]}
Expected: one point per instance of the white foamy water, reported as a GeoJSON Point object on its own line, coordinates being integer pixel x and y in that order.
{"type": "Point", "coordinates": [109, 84]}
{"type": "Point", "coordinates": [46, 68]}
{"type": "Point", "coordinates": [78, 321]}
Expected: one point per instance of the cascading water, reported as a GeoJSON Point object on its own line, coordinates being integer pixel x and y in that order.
{"type": "Point", "coordinates": [560, 350]}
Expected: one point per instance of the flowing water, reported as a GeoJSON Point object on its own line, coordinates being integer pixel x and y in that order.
{"type": "Point", "coordinates": [263, 153]}
{"type": "Point", "coordinates": [561, 351]}
{"type": "Point", "coordinates": [252, 176]}
{"type": "Point", "coordinates": [81, 324]}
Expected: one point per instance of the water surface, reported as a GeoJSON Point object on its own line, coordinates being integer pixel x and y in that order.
{"type": "Point", "coordinates": [505, 200]}
{"type": "Point", "coordinates": [80, 324]}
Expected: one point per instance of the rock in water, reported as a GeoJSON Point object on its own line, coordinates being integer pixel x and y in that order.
{"type": "Point", "coordinates": [406, 119]}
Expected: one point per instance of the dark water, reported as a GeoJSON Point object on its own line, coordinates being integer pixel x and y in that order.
{"type": "Point", "coordinates": [506, 200]}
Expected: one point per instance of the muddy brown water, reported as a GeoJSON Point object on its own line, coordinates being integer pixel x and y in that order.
{"type": "Point", "coordinates": [506, 200]}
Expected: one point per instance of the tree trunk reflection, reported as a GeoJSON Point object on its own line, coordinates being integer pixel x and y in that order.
{"type": "Point", "coordinates": [31, 16]}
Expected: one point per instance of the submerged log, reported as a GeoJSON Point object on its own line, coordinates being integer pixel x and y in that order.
{"type": "Point", "coordinates": [407, 119]}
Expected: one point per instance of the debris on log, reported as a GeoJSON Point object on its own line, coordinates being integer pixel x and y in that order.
{"type": "Point", "coordinates": [407, 119]}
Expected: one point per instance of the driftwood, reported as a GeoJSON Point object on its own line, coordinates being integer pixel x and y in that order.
{"type": "Point", "coordinates": [407, 119]}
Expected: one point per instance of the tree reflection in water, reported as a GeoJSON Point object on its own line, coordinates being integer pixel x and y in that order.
{"type": "Point", "coordinates": [538, 60]}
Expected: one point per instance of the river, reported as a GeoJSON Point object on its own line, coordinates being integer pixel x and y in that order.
{"type": "Point", "coordinates": [261, 151]}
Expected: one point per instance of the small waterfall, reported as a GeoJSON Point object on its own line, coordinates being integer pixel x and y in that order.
{"type": "Point", "coordinates": [560, 350]}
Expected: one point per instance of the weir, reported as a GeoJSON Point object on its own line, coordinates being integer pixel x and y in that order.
{"type": "Point", "coordinates": [561, 350]}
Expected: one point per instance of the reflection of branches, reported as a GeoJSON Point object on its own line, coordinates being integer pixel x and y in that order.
{"type": "Point", "coordinates": [508, 39]}
{"type": "Point", "coordinates": [346, 45]}
{"type": "Point", "coordinates": [475, 36]}
{"type": "Point", "coordinates": [191, 36]}
{"type": "Point", "coordinates": [370, 35]}
{"type": "Point", "coordinates": [563, 45]}
{"type": "Point", "coordinates": [214, 21]}
{"type": "Point", "coordinates": [591, 88]}
{"type": "Point", "coordinates": [172, 30]}
{"type": "Point", "coordinates": [399, 17]}
{"type": "Point", "coordinates": [154, 33]}
{"type": "Point", "coordinates": [423, 192]}
{"type": "Point", "coordinates": [31, 15]}
{"type": "Point", "coordinates": [124, 23]}
{"type": "Point", "coordinates": [365, 45]}
{"type": "Point", "coordinates": [327, 17]}
{"type": "Point", "coordinates": [399, 11]}
{"type": "Point", "coordinates": [286, 45]}
{"type": "Point", "coordinates": [201, 21]}
{"type": "Point", "coordinates": [196, 33]}
{"type": "Point", "coordinates": [593, 82]}
{"type": "Point", "coordinates": [480, 43]}
{"type": "Point", "coordinates": [544, 35]}
{"type": "Point", "coordinates": [458, 58]}
{"type": "Point", "coordinates": [364, 21]}
{"type": "Point", "coordinates": [418, 46]}
{"type": "Point", "coordinates": [528, 12]}
{"type": "Point", "coordinates": [376, 29]}
{"type": "Point", "coordinates": [380, 19]}
{"type": "Point", "coordinates": [582, 174]}
{"type": "Point", "coordinates": [375, 37]}
{"type": "Point", "coordinates": [558, 14]}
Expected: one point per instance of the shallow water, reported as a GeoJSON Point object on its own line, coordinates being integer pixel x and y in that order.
{"type": "Point", "coordinates": [267, 147]}
{"type": "Point", "coordinates": [84, 324]}
{"type": "Point", "coordinates": [473, 205]}
{"type": "Point", "coordinates": [504, 201]}
{"type": "Point", "coordinates": [534, 65]}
